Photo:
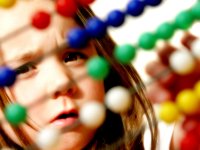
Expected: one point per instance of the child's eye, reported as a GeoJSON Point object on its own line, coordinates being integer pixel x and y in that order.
{"type": "Point", "coordinates": [74, 56]}
{"type": "Point", "coordinates": [25, 68]}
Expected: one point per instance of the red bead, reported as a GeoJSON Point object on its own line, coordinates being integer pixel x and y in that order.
{"type": "Point", "coordinates": [41, 20]}
{"type": "Point", "coordinates": [85, 2]}
{"type": "Point", "coordinates": [66, 8]}
{"type": "Point", "coordinates": [189, 142]}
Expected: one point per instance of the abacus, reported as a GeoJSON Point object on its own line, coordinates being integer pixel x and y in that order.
{"type": "Point", "coordinates": [98, 67]}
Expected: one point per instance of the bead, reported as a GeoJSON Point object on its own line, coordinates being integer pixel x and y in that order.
{"type": "Point", "coordinates": [115, 18]}
{"type": "Point", "coordinates": [66, 8]}
{"type": "Point", "coordinates": [96, 28]}
{"type": "Point", "coordinates": [147, 41]}
{"type": "Point", "coordinates": [118, 99]}
{"type": "Point", "coordinates": [125, 53]}
{"type": "Point", "coordinates": [41, 20]}
{"type": "Point", "coordinates": [85, 2]}
{"type": "Point", "coordinates": [182, 62]}
{"type": "Point", "coordinates": [98, 68]}
{"type": "Point", "coordinates": [197, 89]}
{"type": "Point", "coordinates": [92, 114]}
{"type": "Point", "coordinates": [77, 38]}
{"type": "Point", "coordinates": [48, 138]}
{"type": "Point", "coordinates": [7, 76]}
{"type": "Point", "coordinates": [153, 2]}
{"type": "Point", "coordinates": [169, 112]}
{"type": "Point", "coordinates": [184, 20]}
{"type": "Point", "coordinates": [196, 11]}
{"type": "Point", "coordinates": [195, 48]}
{"type": "Point", "coordinates": [165, 31]}
{"type": "Point", "coordinates": [187, 101]}
{"type": "Point", "coordinates": [7, 3]}
{"type": "Point", "coordinates": [135, 8]}
{"type": "Point", "coordinates": [189, 142]}
{"type": "Point", "coordinates": [15, 114]}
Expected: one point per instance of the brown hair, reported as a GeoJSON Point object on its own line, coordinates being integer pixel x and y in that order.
{"type": "Point", "coordinates": [119, 130]}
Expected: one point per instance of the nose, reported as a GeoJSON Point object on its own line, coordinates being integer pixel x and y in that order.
{"type": "Point", "coordinates": [59, 81]}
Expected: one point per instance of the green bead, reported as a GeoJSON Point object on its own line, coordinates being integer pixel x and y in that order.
{"type": "Point", "coordinates": [147, 41]}
{"type": "Point", "coordinates": [184, 20]}
{"type": "Point", "coordinates": [124, 53]}
{"type": "Point", "coordinates": [165, 31]}
{"type": "Point", "coordinates": [196, 10]}
{"type": "Point", "coordinates": [98, 68]}
{"type": "Point", "coordinates": [15, 114]}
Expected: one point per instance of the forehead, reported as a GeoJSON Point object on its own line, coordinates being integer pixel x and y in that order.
{"type": "Point", "coordinates": [31, 39]}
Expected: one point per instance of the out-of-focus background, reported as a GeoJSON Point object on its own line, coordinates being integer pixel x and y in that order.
{"type": "Point", "coordinates": [130, 33]}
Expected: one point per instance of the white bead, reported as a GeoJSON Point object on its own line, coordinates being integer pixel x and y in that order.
{"type": "Point", "coordinates": [92, 114]}
{"type": "Point", "coordinates": [182, 62]}
{"type": "Point", "coordinates": [48, 138]}
{"type": "Point", "coordinates": [118, 99]}
{"type": "Point", "coordinates": [195, 48]}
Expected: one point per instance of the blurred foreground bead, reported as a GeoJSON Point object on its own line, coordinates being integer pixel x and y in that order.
{"type": "Point", "coordinates": [184, 20]}
{"type": "Point", "coordinates": [188, 102]}
{"type": "Point", "coordinates": [135, 8]}
{"type": "Point", "coordinates": [48, 138]}
{"type": "Point", "coordinates": [153, 2]}
{"type": "Point", "coordinates": [197, 89]}
{"type": "Point", "coordinates": [77, 38]}
{"type": "Point", "coordinates": [195, 48]}
{"type": "Point", "coordinates": [96, 28]}
{"type": "Point", "coordinates": [147, 41]}
{"type": "Point", "coordinates": [41, 20]}
{"type": "Point", "coordinates": [118, 99]}
{"type": "Point", "coordinates": [7, 76]}
{"type": "Point", "coordinates": [165, 31]}
{"type": "Point", "coordinates": [15, 114]}
{"type": "Point", "coordinates": [115, 18]}
{"type": "Point", "coordinates": [98, 68]}
{"type": "Point", "coordinates": [66, 8]}
{"type": "Point", "coordinates": [124, 53]}
{"type": "Point", "coordinates": [92, 114]}
{"type": "Point", "coordinates": [189, 142]}
{"type": "Point", "coordinates": [85, 2]}
{"type": "Point", "coordinates": [196, 10]}
{"type": "Point", "coordinates": [169, 113]}
{"type": "Point", "coordinates": [182, 62]}
{"type": "Point", "coordinates": [7, 3]}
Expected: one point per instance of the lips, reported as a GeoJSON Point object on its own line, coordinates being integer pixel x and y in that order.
{"type": "Point", "coordinates": [65, 118]}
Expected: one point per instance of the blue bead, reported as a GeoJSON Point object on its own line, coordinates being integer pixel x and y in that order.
{"type": "Point", "coordinates": [96, 28]}
{"type": "Point", "coordinates": [135, 7]}
{"type": "Point", "coordinates": [7, 76]}
{"type": "Point", "coordinates": [115, 18]}
{"type": "Point", "coordinates": [77, 38]}
{"type": "Point", "coordinates": [153, 2]}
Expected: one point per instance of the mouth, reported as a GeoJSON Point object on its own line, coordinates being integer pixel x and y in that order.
{"type": "Point", "coordinates": [65, 119]}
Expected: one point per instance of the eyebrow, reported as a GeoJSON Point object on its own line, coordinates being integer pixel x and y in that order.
{"type": "Point", "coordinates": [37, 55]}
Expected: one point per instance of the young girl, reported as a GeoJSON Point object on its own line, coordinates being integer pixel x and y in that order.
{"type": "Point", "coordinates": [51, 76]}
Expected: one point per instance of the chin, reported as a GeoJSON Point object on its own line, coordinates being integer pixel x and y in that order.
{"type": "Point", "coordinates": [74, 140]}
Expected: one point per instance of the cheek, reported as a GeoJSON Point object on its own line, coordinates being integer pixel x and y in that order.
{"type": "Point", "coordinates": [92, 90]}
{"type": "Point", "coordinates": [26, 92]}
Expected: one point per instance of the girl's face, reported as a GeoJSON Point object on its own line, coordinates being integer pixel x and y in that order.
{"type": "Point", "coordinates": [44, 87]}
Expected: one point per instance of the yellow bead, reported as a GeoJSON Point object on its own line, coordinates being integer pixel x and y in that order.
{"type": "Point", "coordinates": [169, 112]}
{"type": "Point", "coordinates": [187, 101]}
{"type": "Point", "coordinates": [7, 3]}
{"type": "Point", "coordinates": [197, 89]}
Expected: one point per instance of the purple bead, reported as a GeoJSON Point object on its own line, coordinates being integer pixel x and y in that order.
{"type": "Point", "coordinates": [153, 2]}
{"type": "Point", "coordinates": [135, 7]}
{"type": "Point", "coordinates": [96, 28]}
{"type": "Point", "coordinates": [115, 18]}
{"type": "Point", "coordinates": [77, 38]}
{"type": "Point", "coordinates": [7, 76]}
